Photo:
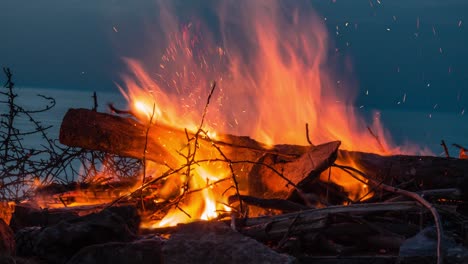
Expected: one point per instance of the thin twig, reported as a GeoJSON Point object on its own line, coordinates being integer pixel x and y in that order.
{"type": "Point", "coordinates": [328, 183]}
{"type": "Point", "coordinates": [371, 190]}
{"type": "Point", "coordinates": [233, 174]}
{"type": "Point", "coordinates": [376, 139]}
{"type": "Point", "coordinates": [205, 110]}
{"type": "Point", "coordinates": [114, 109]}
{"type": "Point", "coordinates": [95, 102]}
{"type": "Point", "coordinates": [307, 135]}
{"type": "Point", "coordinates": [458, 146]}
{"type": "Point", "coordinates": [144, 154]}
{"type": "Point", "coordinates": [445, 148]}
{"type": "Point", "coordinates": [288, 232]}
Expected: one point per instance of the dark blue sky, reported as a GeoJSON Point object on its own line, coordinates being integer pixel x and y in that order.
{"type": "Point", "coordinates": [72, 45]}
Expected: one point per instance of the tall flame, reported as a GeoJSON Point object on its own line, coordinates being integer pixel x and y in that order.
{"type": "Point", "coordinates": [270, 59]}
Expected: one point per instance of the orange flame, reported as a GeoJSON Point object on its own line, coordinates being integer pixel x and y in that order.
{"type": "Point", "coordinates": [201, 203]}
{"type": "Point", "coordinates": [274, 76]}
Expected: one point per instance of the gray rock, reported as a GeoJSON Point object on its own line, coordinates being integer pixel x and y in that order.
{"type": "Point", "coordinates": [422, 244]}
{"type": "Point", "coordinates": [215, 242]}
{"type": "Point", "coordinates": [425, 244]}
{"type": "Point", "coordinates": [59, 242]}
{"type": "Point", "coordinates": [147, 251]}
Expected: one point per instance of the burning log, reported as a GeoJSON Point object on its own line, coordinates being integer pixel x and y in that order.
{"type": "Point", "coordinates": [126, 137]}
{"type": "Point", "coordinates": [253, 160]}
{"type": "Point", "coordinates": [163, 144]}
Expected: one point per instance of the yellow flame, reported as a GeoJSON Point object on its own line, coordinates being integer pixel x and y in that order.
{"type": "Point", "coordinates": [210, 206]}
{"type": "Point", "coordinates": [199, 205]}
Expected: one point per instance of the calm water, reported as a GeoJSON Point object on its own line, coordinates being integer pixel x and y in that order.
{"type": "Point", "coordinates": [420, 128]}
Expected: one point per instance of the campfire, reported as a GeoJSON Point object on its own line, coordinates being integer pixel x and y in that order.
{"type": "Point", "coordinates": [231, 141]}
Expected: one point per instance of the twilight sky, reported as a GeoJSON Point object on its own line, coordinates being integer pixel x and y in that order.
{"type": "Point", "coordinates": [407, 55]}
{"type": "Point", "coordinates": [72, 45]}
